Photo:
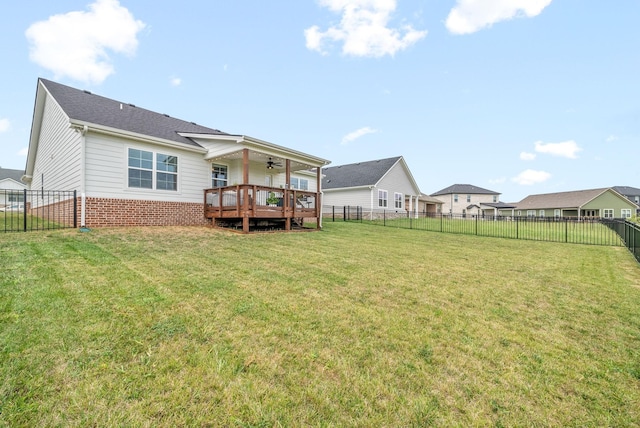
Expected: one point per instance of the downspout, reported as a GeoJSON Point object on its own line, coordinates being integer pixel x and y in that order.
{"type": "Point", "coordinates": [83, 160]}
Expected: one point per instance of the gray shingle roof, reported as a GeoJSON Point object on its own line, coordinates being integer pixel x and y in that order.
{"type": "Point", "coordinates": [629, 192]}
{"type": "Point", "coordinates": [94, 109]}
{"type": "Point", "coordinates": [14, 174]}
{"type": "Point", "coordinates": [466, 189]}
{"type": "Point", "coordinates": [572, 199]}
{"type": "Point", "coordinates": [357, 174]}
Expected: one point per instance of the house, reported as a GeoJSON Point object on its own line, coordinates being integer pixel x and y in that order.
{"type": "Point", "coordinates": [11, 186]}
{"type": "Point", "coordinates": [604, 202]}
{"type": "Point", "coordinates": [382, 184]}
{"type": "Point", "coordinates": [467, 199]}
{"type": "Point", "coordinates": [631, 193]}
{"type": "Point", "coordinates": [132, 166]}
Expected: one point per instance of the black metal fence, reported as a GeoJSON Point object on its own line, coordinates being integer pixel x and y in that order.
{"type": "Point", "coordinates": [629, 233]}
{"type": "Point", "coordinates": [30, 210]}
{"type": "Point", "coordinates": [593, 231]}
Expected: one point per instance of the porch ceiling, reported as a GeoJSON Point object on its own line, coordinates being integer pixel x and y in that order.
{"type": "Point", "coordinates": [261, 157]}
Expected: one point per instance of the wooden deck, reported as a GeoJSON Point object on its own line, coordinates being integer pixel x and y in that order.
{"type": "Point", "coordinates": [256, 206]}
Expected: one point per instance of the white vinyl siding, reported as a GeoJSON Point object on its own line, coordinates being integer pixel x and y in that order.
{"type": "Point", "coordinates": [107, 165]}
{"type": "Point", "coordinates": [58, 161]}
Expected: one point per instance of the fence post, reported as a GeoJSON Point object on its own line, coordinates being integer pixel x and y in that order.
{"type": "Point", "coordinates": [24, 209]}
{"type": "Point", "coordinates": [75, 209]}
{"type": "Point", "coordinates": [477, 224]}
{"type": "Point", "coordinates": [566, 230]}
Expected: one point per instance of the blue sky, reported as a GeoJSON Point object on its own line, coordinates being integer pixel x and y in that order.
{"type": "Point", "coordinates": [517, 96]}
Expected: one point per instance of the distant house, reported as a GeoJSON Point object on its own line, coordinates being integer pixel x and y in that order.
{"type": "Point", "coordinates": [135, 167]}
{"type": "Point", "coordinates": [383, 184]}
{"type": "Point", "coordinates": [604, 202]}
{"type": "Point", "coordinates": [427, 205]}
{"type": "Point", "coordinates": [11, 186]}
{"type": "Point", "coordinates": [631, 193]}
{"type": "Point", "coordinates": [463, 199]}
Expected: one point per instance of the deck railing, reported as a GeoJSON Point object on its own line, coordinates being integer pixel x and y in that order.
{"type": "Point", "coordinates": [259, 201]}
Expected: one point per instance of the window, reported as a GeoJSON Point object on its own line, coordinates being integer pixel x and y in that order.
{"type": "Point", "coordinates": [531, 213]}
{"type": "Point", "coordinates": [608, 213]}
{"type": "Point", "coordinates": [495, 198]}
{"type": "Point", "coordinates": [299, 183]}
{"type": "Point", "coordinates": [625, 213]}
{"type": "Point", "coordinates": [541, 213]}
{"type": "Point", "coordinates": [455, 198]}
{"type": "Point", "coordinates": [382, 198]}
{"type": "Point", "coordinates": [637, 198]}
{"type": "Point", "coordinates": [140, 169]}
{"type": "Point", "coordinates": [398, 199]}
{"type": "Point", "coordinates": [16, 196]}
{"type": "Point", "coordinates": [468, 198]}
{"type": "Point", "coordinates": [219, 175]}
{"type": "Point", "coordinates": [167, 172]}
{"type": "Point", "coordinates": [557, 213]}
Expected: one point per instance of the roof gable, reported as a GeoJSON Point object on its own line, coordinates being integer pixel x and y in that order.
{"type": "Point", "coordinates": [83, 106]}
{"type": "Point", "coordinates": [13, 174]}
{"type": "Point", "coordinates": [573, 199]}
{"type": "Point", "coordinates": [358, 174]}
{"type": "Point", "coordinates": [466, 189]}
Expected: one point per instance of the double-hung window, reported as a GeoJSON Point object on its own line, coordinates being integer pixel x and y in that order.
{"type": "Point", "coordinates": [166, 172]}
{"type": "Point", "coordinates": [149, 170]}
{"type": "Point", "coordinates": [608, 213]}
{"type": "Point", "coordinates": [468, 198]}
{"type": "Point", "coordinates": [556, 213]}
{"type": "Point", "coordinates": [383, 196]}
{"type": "Point", "coordinates": [398, 199]}
{"type": "Point", "coordinates": [140, 169]}
{"type": "Point", "coordinates": [625, 213]}
{"type": "Point", "coordinates": [299, 183]}
{"type": "Point", "coordinates": [219, 175]}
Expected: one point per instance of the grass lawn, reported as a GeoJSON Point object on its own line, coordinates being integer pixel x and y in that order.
{"type": "Point", "coordinates": [352, 326]}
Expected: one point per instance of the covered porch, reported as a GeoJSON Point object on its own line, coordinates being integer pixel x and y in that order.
{"type": "Point", "coordinates": [264, 187]}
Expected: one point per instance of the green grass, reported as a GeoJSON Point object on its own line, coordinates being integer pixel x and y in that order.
{"type": "Point", "coordinates": [351, 326]}
{"type": "Point", "coordinates": [14, 222]}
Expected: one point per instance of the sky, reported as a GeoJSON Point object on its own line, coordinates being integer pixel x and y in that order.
{"type": "Point", "coordinates": [519, 97]}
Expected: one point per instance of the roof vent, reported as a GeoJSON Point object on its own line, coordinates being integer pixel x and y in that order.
{"type": "Point", "coordinates": [87, 92]}
{"type": "Point", "coordinates": [193, 123]}
{"type": "Point", "coordinates": [132, 105]}
{"type": "Point", "coordinates": [166, 115]}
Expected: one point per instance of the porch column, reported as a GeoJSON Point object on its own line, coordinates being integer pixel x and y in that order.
{"type": "Point", "coordinates": [245, 191]}
{"type": "Point", "coordinates": [286, 195]}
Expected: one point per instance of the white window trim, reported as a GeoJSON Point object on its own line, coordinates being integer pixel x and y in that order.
{"type": "Point", "coordinates": [154, 172]}
{"type": "Point", "coordinates": [625, 213]}
{"type": "Point", "coordinates": [385, 199]}
{"type": "Point", "coordinates": [398, 199]}
{"type": "Point", "coordinates": [606, 211]}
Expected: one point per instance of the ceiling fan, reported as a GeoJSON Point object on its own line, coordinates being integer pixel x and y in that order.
{"type": "Point", "coordinates": [271, 164]}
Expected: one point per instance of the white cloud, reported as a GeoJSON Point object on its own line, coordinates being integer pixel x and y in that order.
{"type": "Point", "coordinates": [469, 16]}
{"type": "Point", "coordinates": [611, 138]}
{"type": "Point", "coordinates": [24, 151]}
{"type": "Point", "coordinates": [527, 156]}
{"type": "Point", "coordinates": [568, 149]}
{"type": "Point", "coordinates": [357, 134]}
{"type": "Point", "coordinates": [363, 29]}
{"type": "Point", "coordinates": [176, 81]}
{"type": "Point", "coordinates": [75, 44]}
{"type": "Point", "coordinates": [4, 125]}
{"type": "Point", "coordinates": [530, 177]}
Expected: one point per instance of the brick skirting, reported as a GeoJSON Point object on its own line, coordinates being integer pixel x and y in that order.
{"type": "Point", "coordinates": [102, 212]}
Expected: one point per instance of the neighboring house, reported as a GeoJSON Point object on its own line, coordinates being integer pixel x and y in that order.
{"type": "Point", "coordinates": [132, 166]}
{"type": "Point", "coordinates": [466, 199]}
{"type": "Point", "coordinates": [383, 184]}
{"type": "Point", "coordinates": [11, 186]}
{"type": "Point", "coordinates": [605, 202]}
{"type": "Point", "coordinates": [631, 193]}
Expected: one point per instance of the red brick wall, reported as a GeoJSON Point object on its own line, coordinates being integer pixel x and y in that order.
{"type": "Point", "coordinates": [101, 212]}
